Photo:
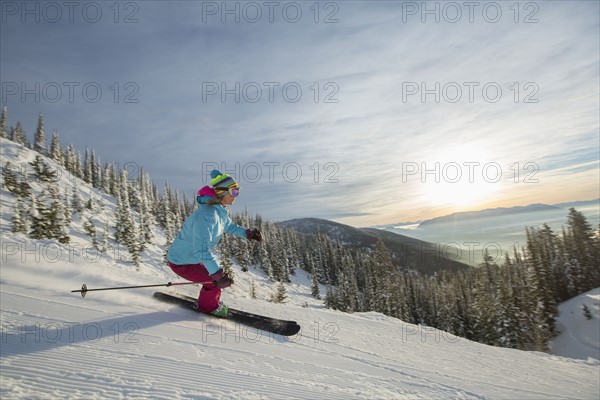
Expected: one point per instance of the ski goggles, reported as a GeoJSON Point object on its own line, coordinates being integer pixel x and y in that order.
{"type": "Point", "coordinates": [234, 191]}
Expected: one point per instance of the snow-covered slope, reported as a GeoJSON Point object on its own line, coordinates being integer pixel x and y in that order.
{"type": "Point", "coordinates": [580, 335]}
{"type": "Point", "coordinates": [123, 344]}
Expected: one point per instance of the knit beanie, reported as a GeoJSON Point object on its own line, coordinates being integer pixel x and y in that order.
{"type": "Point", "coordinates": [221, 182]}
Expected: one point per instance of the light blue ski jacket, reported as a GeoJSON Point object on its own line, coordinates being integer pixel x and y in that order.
{"type": "Point", "coordinates": [200, 232]}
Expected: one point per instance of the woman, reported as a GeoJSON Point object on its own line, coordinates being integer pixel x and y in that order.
{"type": "Point", "coordinates": [190, 255]}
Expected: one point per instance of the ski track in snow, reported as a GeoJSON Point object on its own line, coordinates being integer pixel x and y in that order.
{"type": "Point", "coordinates": [66, 347]}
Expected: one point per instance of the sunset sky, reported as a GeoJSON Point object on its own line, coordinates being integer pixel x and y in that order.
{"type": "Point", "coordinates": [363, 112]}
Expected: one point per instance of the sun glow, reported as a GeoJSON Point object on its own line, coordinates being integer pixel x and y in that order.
{"type": "Point", "coordinates": [460, 176]}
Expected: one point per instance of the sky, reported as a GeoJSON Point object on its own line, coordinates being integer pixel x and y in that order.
{"type": "Point", "coordinates": [362, 112]}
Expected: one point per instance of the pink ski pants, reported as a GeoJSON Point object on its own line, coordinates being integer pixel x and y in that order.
{"type": "Point", "coordinates": [210, 294]}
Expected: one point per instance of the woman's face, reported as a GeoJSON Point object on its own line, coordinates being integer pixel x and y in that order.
{"type": "Point", "coordinates": [228, 199]}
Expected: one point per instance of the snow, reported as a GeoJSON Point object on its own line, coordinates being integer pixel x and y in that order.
{"type": "Point", "coordinates": [120, 344]}
{"type": "Point", "coordinates": [580, 337]}
{"type": "Point", "coordinates": [124, 344]}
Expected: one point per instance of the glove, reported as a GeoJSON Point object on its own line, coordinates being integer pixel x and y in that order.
{"type": "Point", "coordinates": [253, 234]}
{"type": "Point", "coordinates": [221, 279]}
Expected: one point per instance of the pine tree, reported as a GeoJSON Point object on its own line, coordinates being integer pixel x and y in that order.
{"type": "Point", "coordinates": [126, 231]}
{"type": "Point", "coordinates": [265, 260]}
{"type": "Point", "coordinates": [315, 291]}
{"type": "Point", "coordinates": [56, 216]}
{"type": "Point", "coordinates": [146, 218]}
{"type": "Point", "coordinates": [4, 124]}
{"type": "Point", "coordinates": [253, 289]}
{"type": "Point", "coordinates": [108, 179]}
{"type": "Point", "coordinates": [104, 245]}
{"type": "Point", "coordinates": [39, 221]}
{"type": "Point", "coordinates": [87, 167]}
{"type": "Point", "coordinates": [583, 250]}
{"type": "Point", "coordinates": [9, 178]}
{"type": "Point", "coordinates": [90, 229]}
{"type": "Point", "coordinates": [39, 144]}
{"type": "Point", "coordinates": [18, 135]}
{"type": "Point", "coordinates": [56, 152]}
{"type": "Point", "coordinates": [76, 201]}
{"type": "Point", "coordinates": [383, 270]}
{"type": "Point", "coordinates": [281, 295]}
{"type": "Point", "coordinates": [42, 171]}
{"type": "Point", "coordinates": [540, 249]}
{"type": "Point", "coordinates": [226, 263]}
{"type": "Point", "coordinates": [19, 217]}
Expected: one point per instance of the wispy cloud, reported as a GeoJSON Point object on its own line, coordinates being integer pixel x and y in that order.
{"type": "Point", "coordinates": [350, 103]}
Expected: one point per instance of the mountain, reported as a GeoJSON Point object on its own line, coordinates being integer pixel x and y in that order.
{"type": "Point", "coordinates": [406, 252]}
{"type": "Point", "coordinates": [581, 203]}
{"type": "Point", "coordinates": [490, 212]}
{"type": "Point", "coordinates": [499, 231]}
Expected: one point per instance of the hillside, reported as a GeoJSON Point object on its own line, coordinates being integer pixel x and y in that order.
{"type": "Point", "coordinates": [579, 334]}
{"type": "Point", "coordinates": [407, 252]}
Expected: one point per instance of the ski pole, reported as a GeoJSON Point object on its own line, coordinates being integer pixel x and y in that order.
{"type": "Point", "coordinates": [84, 288]}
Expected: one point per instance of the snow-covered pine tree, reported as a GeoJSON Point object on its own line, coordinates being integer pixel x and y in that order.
{"type": "Point", "coordinates": [9, 178]}
{"type": "Point", "coordinates": [42, 171]}
{"type": "Point", "coordinates": [383, 270]}
{"type": "Point", "coordinates": [539, 267]}
{"type": "Point", "coordinates": [68, 208]}
{"type": "Point", "coordinates": [56, 152]}
{"type": "Point", "coordinates": [39, 141]}
{"type": "Point", "coordinates": [39, 222]}
{"type": "Point", "coordinates": [18, 135]}
{"type": "Point", "coordinates": [108, 179]}
{"type": "Point", "coordinates": [19, 217]}
{"type": "Point", "coordinates": [125, 230]}
{"type": "Point", "coordinates": [265, 260]}
{"type": "Point", "coordinates": [87, 166]}
{"type": "Point", "coordinates": [90, 229]}
{"type": "Point", "coordinates": [96, 171]}
{"type": "Point", "coordinates": [280, 295]}
{"type": "Point", "coordinates": [584, 248]}
{"type": "Point", "coordinates": [76, 201]}
{"type": "Point", "coordinates": [58, 228]}
{"type": "Point", "coordinates": [314, 286]}
{"type": "Point", "coordinates": [4, 124]}
{"type": "Point", "coordinates": [226, 263]}
{"type": "Point", "coordinates": [104, 244]}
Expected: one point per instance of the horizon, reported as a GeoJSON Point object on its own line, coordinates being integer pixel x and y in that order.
{"type": "Point", "coordinates": [360, 130]}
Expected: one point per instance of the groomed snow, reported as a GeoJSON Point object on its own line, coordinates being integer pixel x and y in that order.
{"type": "Point", "coordinates": [124, 344]}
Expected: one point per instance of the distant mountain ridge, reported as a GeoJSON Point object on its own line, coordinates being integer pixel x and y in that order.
{"type": "Point", "coordinates": [489, 212]}
{"type": "Point", "coordinates": [406, 252]}
{"type": "Point", "coordinates": [494, 212]}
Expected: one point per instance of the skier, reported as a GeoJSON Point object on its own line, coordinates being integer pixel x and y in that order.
{"type": "Point", "coordinates": [190, 255]}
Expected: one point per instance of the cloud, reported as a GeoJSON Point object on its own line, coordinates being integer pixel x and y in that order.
{"type": "Point", "coordinates": [358, 114]}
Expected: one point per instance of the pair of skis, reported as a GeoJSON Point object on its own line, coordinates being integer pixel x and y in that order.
{"type": "Point", "coordinates": [268, 324]}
